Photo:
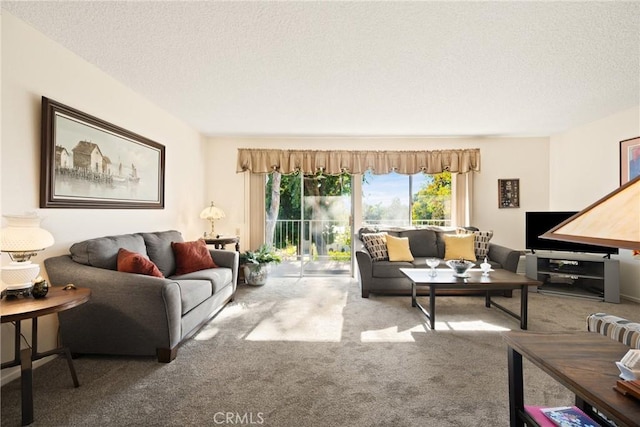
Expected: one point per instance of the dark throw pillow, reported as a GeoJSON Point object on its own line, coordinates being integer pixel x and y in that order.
{"type": "Point", "coordinates": [376, 245]}
{"type": "Point", "coordinates": [133, 262]}
{"type": "Point", "coordinates": [192, 256]}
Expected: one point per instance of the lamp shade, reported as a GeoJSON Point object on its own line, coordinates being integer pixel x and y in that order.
{"type": "Point", "coordinates": [212, 212]}
{"type": "Point", "coordinates": [613, 221]}
{"type": "Point", "coordinates": [21, 239]}
{"type": "Point", "coordinates": [23, 234]}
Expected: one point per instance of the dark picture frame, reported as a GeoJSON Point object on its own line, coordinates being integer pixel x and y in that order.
{"type": "Point", "coordinates": [509, 193]}
{"type": "Point", "coordinates": [629, 159]}
{"type": "Point", "coordinates": [88, 163]}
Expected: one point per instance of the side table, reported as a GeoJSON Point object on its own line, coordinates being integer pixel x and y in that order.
{"type": "Point", "coordinates": [21, 308]}
{"type": "Point", "coordinates": [220, 242]}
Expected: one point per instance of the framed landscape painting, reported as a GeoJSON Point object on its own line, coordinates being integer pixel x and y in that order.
{"type": "Point", "coordinates": [92, 164]}
{"type": "Point", "coordinates": [629, 159]}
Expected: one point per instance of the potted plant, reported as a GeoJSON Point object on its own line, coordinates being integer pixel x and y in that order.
{"type": "Point", "coordinates": [256, 262]}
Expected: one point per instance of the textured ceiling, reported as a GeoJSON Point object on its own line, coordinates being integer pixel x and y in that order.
{"type": "Point", "coordinates": [361, 68]}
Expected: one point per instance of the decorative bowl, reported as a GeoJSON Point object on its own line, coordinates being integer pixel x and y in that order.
{"type": "Point", "coordinates": [460, 267]}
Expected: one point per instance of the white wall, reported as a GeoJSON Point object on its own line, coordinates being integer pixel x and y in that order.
{"type": "Point", "coordinates": [584, 166]}
{"type": "Point", "coordinates": [34, 66]}
{"type": "Point", "coordinates": [523, 158]}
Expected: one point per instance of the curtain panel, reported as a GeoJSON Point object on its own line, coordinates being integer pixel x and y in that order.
{"type": "Point", "coordinates": [309, 162]}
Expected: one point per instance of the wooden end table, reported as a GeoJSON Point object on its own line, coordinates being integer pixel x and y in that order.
{"type": "Point", "coordinates": [220, 242]}
{"type": "Point", "coordinates": [583, 362]}
{"type": "Point", "coordinates": [17, 309]}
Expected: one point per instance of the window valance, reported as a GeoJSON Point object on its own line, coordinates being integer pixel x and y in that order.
{"type": "Point", "coordinates": [258, 160]}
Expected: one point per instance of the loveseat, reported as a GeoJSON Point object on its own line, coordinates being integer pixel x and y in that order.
{"type": "Point", "coordinates": [378, 274]}
{"type": "Point", "coordinates": [142, 314]}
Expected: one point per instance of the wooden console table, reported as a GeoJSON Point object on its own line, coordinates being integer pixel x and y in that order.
{"type": "Point", "coordinates": [583, 362]}
{"type": "Point", "coordinates": [16, 310]}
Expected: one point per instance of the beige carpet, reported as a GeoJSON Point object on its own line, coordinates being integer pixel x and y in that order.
{"type": "Point", "coordinates": [312, 352]}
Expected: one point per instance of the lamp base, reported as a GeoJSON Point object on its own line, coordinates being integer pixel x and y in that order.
{"type": "Point", "coordinates": [14, 293]}
{"type": "Point", "coordinates": [18, 275]}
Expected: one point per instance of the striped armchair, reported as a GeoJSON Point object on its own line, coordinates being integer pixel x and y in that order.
{"type": "Point", "coordinates": [616, 328]}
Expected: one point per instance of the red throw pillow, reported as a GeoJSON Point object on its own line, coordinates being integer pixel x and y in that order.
{"type": "Point", "coordinates": [133, 262]}
{"type": "Point", "coordinates": [192, 256]}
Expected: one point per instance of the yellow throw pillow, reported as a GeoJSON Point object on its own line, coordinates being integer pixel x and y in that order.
{"type": "Point", "coordinates": [457, 246]}
{"type": "Point", "coordinates": [398, 248]}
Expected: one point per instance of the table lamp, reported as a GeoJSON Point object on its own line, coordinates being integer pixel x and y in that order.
{"type": "Point", "coordinates": [612, 221]}
{"type": "Point", "coordinates": [212, 213]}
{"type": "Point", "coordinates": [22, 239]}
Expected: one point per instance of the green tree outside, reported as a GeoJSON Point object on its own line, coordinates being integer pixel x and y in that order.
{"type": "Point", "coordinates": [433, 200]}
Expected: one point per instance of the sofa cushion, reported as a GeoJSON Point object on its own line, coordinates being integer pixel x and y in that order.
{"type": "Point", "coordinates": [423, 242]}
{"type": "Point", "coordinates": [376, 245]}
{"type": "Point", "coordinates": [218, 278]}
{"type": "Point", "coordinates": [398, 249]}
{"type": "Point", "coordinates": [389, 269]}
{"type": "Point", "coordinates": [160, 251]}
{"type": "Point", "coordinates": [192, 256]}
{"type": "Point", "coordinates": [102, 252]}
{"type": "Point", "coordinates": [133, 262]}
{"type": "Point", "coordinates": [193, 293]}
{"type": "Point", "coordinates": [459, 246]}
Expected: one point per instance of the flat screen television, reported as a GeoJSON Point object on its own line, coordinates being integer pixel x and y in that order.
{"type": "Point", "coordinates": [538, 223]}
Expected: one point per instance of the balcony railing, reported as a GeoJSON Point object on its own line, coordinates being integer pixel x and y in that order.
{"type": "Point", "coordinates": [322, 247]}
{"type": "Point", "coordinates": [312, 247]}
{"type": "Point", "coordinates": [297, 237]}
{"type": "Point", "coordinates": [317, 237]}
{"type": "Point", "coordinates": [404, 223]}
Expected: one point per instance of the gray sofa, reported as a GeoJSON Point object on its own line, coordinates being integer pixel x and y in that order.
{"type": "Point", "coordinates": [135, 314]}
{"type": "Point", "coordinates": [384, 277]}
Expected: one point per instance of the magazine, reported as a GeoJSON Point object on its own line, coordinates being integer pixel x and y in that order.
{"type": "Point", "coordinates": [569, 416]}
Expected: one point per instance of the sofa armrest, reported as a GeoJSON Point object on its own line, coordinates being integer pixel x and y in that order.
{"type": "Point", "coordinates": [365, 268]}
{"type": "Point", "coordinates": [506, 257]}
{"type": "Point", "coordinates": [228, 259]}
{"type": "Point", "coordinates": [616, 328]}
{"type": "Point", "coordinates": [145, 308]}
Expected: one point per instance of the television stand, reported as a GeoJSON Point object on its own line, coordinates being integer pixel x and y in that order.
{"type": "Point", "coordinates": [575, 274]}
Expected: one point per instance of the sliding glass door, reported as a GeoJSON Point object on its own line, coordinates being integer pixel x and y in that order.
{"type": "Point", "coordinates": [309, 222]}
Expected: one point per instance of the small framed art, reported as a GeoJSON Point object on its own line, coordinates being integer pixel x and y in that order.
{"type": "Point", "coordinates": [629, 159]}
{"type": "Point", "coordinates": [508, 193]}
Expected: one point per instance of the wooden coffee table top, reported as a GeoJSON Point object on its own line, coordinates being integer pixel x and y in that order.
{"type": "Point", "coordinates": [497, 278]}
{"type": "Point", "coordinates": [584, 362]}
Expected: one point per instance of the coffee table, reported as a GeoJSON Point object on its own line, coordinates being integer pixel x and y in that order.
{"type": "Point", "coordinates": [445, 279]}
